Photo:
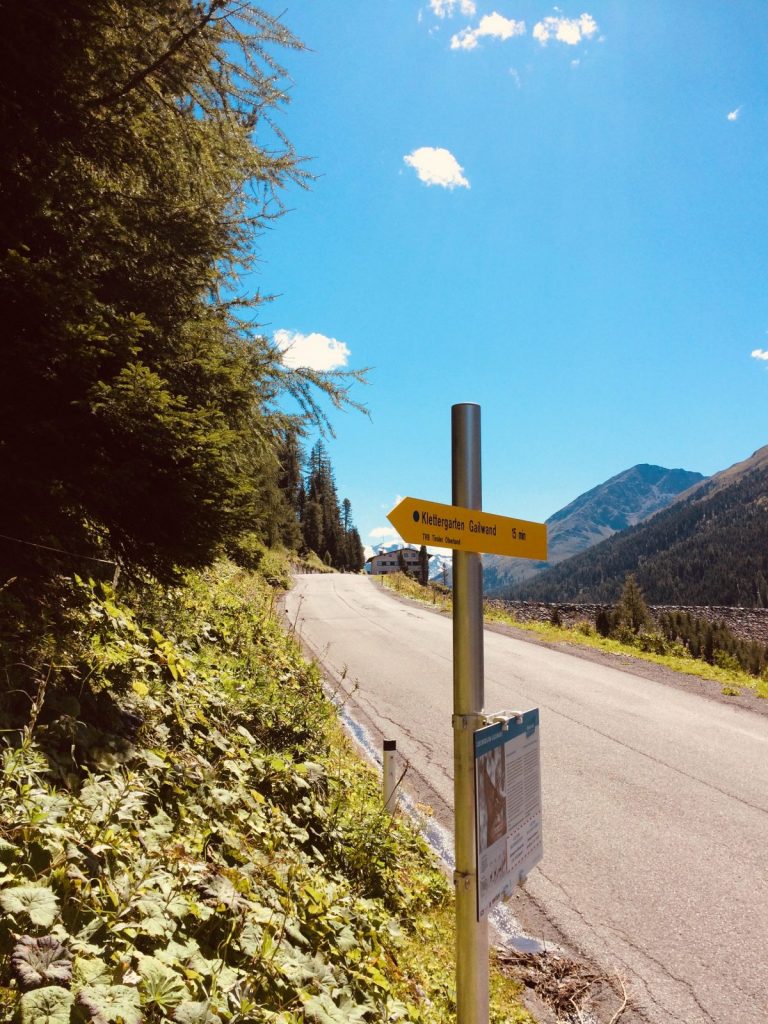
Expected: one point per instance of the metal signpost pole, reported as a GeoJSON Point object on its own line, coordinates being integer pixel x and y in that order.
{"type": "Point", "coordinates": [468, 699]}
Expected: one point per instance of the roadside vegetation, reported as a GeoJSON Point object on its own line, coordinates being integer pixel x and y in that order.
{"type": "Point", "coordinates": [680, 641]}
{"type": "Point", "coordinates": [186, 835]}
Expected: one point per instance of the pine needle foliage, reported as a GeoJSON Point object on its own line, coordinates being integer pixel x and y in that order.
{"type": "Point", "coordinates": [631, 612]}
{"type": "Point", "coordinates": [327, 527]}
{"type": "Point", "coordinates": [139, 405]}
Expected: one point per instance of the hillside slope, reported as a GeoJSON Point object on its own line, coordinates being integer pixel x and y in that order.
{"type": "Point", "coordinates": [626, 499]}
{"type": "Point", "coordinates": [710, 547]}
{"type": "Point", "coordinates": [184, 836]}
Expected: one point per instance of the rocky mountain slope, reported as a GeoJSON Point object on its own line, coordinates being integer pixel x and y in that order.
{"type": "Point", "coordinates": [621, 502]}
{"type": "Point", "coordinates": [710, 547]}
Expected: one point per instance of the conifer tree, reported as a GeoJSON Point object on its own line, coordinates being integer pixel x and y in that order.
{"type": "Point", "coordinates": [325, 525]}
{"type": "Point", "coordinates": [353, 554]}
{"type": "Point", "coordinates": [708, 652]}
{"type": "Point", "coordinates": [325, 531]}
{"type": "Point", "coordinates": [631, 610]}
{"type": "Point", "coordinates": [761, 590]}
{"type": "Point", "coordinates": [423, 566]}
{"type": "Point", "coordinates": [346, 515]}
{"type": "Point", "coordinates": [138, 414]}
{"type": "Point", "coordinates": [312, 527]}
{"type": "Point", "coordinates": [356, 551]}
{"type": "Point", "coordinates": [290, 474]}
{"type": "Point", "coordinates": [603, 622]}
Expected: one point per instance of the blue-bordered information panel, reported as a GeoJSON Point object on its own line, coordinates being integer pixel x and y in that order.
{"type": "Point", "coordinates": [508, 801]}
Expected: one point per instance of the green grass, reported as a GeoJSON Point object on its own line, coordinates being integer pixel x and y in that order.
{"type": "Point", "coordinates": [584, 635]}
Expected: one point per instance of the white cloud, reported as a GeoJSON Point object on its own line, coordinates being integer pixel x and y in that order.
{"type": "Point", "coordinates": [733, 115]}
{"type": "Point", "coordinates": [437, 167]}
{"type": "Point", "coordinates": [514, 74]}
{"type": "Point", "coordinates": [311, 350]}
{"type": "Point", "coordinates": [493, 25]}
{"type": "Point", "coordinates": [565, 30]}
{"type": "Point", "coordinates": [381, 537]}
{"type": "Point", "coordinates": [760, 353]}
{"type": "Point", "coordinates": [445, 8]}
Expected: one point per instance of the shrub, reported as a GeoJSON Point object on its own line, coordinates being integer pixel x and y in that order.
{"type": "Point", "coordinates": [275, 569]}
{"type": "Point", "coordinates": [603, 622]}
{"type": "Point", "coordinates": [625, 635]}
{"type": "Point", "coordinates": [652, 643]}
{"type": "Point", "coordinates": [677, 650]}
{"type": "Point", "coordinates": [247, 551]}
{"type": "Point", "coordinates": [727, 661]}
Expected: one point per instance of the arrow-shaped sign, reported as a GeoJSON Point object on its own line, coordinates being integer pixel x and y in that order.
{"type": "Point", "coordinates": [466, 529]}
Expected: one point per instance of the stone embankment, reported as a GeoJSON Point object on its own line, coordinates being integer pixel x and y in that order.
{"type": "Point", "coordinates": [745, 623]}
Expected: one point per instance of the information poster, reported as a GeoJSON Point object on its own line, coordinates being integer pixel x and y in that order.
{"type": "Point", "coordinates": [508, 802]}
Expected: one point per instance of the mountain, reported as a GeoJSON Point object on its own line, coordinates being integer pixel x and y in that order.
{"type": "Point", "coordinates": [709, 547]}
{"type": "Point", "coordinates": [621, 502]}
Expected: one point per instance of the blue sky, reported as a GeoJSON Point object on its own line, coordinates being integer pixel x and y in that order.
{"type": "Point", "coordinates": [557, 212]}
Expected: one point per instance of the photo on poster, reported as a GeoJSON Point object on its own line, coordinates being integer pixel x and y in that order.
{"type": "Point", "coordinates": [491, 797]}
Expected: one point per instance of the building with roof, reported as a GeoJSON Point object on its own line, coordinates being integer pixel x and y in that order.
{"type": "Point", "coordinates": [390, 561]}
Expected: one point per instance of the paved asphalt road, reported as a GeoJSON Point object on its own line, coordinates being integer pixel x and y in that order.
{"type": "Point", "coordinates": [655, 800]}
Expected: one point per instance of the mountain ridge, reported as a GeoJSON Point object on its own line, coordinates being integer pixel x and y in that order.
{"type": "Point", "coordinates": [709, 547]}
{"type": "Point", "coordinates": [618, 503]}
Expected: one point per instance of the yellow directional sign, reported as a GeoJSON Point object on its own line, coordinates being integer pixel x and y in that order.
{"type": "Point", "coordinates": [465, 529]}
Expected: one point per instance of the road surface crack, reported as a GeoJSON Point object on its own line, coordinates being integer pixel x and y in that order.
{"type": "Point", "coordinates": [680, 981]}
{"type": "Point", "coordinates": [378, 717]}
{"type": "Point", "coordinates": [658, 761]}
{"type": "Point", "coordinates": [603, 926]}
